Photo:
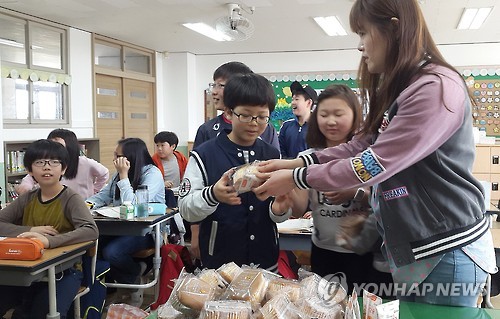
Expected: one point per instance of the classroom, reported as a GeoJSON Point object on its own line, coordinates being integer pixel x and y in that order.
{"type": "Point", "coordinates": [126, 69]}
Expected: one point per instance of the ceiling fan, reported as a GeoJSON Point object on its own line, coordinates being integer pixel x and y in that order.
{"type": "Point", "coordinates": [234, 26]}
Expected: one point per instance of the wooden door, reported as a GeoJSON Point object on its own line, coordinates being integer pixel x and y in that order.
{"type": "Point", "coordinates": [109, 116]}
{"type": "Point", "coordinates": [138, 111]}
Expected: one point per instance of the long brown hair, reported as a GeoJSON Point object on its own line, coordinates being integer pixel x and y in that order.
{"type": "Point", "coordinates": [409, 43]}
{"type": "Point", "coordinates": [314, 137]}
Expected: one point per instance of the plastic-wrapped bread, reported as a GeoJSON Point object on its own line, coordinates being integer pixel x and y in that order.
{"type": "Point", "coordinates": [279, 307]}
{"type": "Point", "coordinates": [166, 311]}
{"type": "Point", "coordinates": [278, 286]}
{"type": "Point", "coordinates": [215, 279]}
{"type": "Point", "coordinates": [229, 271]}
{"type": "Point", "coordinates": [194, 292]}
{"type": "Point", "coordinates": [329, 291]}
{"type": "Point", "coordinates": [226, 309]}
{"type": "Point", "coordinates": [317, 308]}
{"type": "Point", "coordinates": [249, 285]}
{"type": "Point", "coordinates": [244, 178]}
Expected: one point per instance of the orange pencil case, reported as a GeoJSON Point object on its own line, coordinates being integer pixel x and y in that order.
{"type": "Point", "coordinates": [21, 248]}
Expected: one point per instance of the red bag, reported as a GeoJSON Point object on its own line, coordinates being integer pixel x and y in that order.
{"type": "Point", "coordinates": [21, 248]}
{"type": "Point", "coordinates": [173, 259]}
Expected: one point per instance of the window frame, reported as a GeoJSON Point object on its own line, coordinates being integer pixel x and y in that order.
{"type": "Point", "coordinates": [29, 67]}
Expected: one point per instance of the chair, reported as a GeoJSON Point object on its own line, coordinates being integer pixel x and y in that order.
{"type": "Point", "coordinates": [85, 289]}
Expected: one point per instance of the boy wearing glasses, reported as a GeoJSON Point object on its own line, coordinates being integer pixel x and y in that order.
{"type": "Point", "coordinates": [233, 227]}
{"type": "Point", "coordinates": [213, 127]}
{"type": "Point", "coordinates": [54, 214]}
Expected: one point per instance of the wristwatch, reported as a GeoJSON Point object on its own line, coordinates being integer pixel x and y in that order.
{"type": "Point", "coordinates": [360, 193]}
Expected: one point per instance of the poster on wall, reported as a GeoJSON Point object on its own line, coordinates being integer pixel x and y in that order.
{"type": "Point", "coordinates": [281, 84]}
{"type": "Point", "coordinates": [484, 87]}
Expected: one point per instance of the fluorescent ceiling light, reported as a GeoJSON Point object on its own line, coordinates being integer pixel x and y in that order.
{"type": "Point", "coordinates": [11, 43]}
{"type": "Point", "coordinates": [331, 25]}
{"type": "Point", "coordinates": [207, 31]}
{"type": "Point", "coordinates": [473, 18]}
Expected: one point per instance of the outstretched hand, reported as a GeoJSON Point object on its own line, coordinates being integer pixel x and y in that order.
{"type": "Point", "coordinates": [224, 190]}
{"type": "Point", "coordinates": [276, 184]}
{"type": "Point", "coordinates": [277, 164]}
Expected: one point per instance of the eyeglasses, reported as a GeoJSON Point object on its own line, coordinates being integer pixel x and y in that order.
{"type": "Point", "coordinates": [42, 163]}
{"type": "Point", "coordinates": [218, 86]}
{"type": "Point", "coordinates": [248, 118]}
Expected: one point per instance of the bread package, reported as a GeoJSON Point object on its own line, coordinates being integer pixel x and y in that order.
{"type": "Point", "coordinates": [226, 309]}
{"type": "Point", "coordinates": [249, 285]}
{"type": "Point", "coordinates": [279, 307]}
{"type": "Point", "coordinates": [244, 179]}
{"type": "Point", "coordinates": [229, 271]}
{"type": "Point", "coordinates": [350, 226]}
{"type": "Point", "coordinates": [317, 308]}
{"type": "Point", "coordinates": [278, 286]}
{"type": "Point", "coordinates": [194, 292]}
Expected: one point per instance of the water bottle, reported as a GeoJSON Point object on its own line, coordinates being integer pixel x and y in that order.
{"type": "Point", "coordinates": [142, 200]}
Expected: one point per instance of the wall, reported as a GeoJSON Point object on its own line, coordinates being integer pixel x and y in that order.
{"type": "Point", "coordinates": [176, 66]}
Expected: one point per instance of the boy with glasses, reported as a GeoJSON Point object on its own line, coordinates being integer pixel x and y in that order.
{"type": "Point", "coordinates": [213, 127]}
{"type": "Point", "coordinates": [54, 214]}
{"type": "Point", "coordinates": [233, 227]}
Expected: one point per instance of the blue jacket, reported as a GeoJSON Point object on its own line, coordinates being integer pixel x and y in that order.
{"type": "Point", "coordinates": [151, 176]}
{"type": "Point", "coordinates": [243, 233]}
{"type": "Point", "coordinates": [292, 138]}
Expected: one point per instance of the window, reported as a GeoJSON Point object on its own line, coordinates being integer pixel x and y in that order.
{"type": "Point", "coordinates": [120, 57]}
{"type": "Point", "coordinates": [35, 90]}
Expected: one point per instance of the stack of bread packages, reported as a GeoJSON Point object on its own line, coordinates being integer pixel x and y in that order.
{"type": "Point", "coordinates": [233, 292]}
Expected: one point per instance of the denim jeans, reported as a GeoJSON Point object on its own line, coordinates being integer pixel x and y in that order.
{"type": "Point", "coordinates": [456, 281]}
{"type": "Point", "coordinates": [118, 251]}
{"type": "Point", "coordinates": [33, 302]}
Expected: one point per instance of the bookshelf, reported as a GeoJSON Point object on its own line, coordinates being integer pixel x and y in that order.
{"type": "Point", "coordinates": [14, 154]}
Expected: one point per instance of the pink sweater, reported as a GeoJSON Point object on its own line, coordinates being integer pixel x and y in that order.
{"type": "Point", "coordinates": [91, 177]}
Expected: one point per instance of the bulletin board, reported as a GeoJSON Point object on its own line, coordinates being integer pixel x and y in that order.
{"type": "Point", "coordinates": [483, 83]}
{"type": "Point", "coordinates": [485, 91]}
{"type": "Point", "coordinates": [318, 81]}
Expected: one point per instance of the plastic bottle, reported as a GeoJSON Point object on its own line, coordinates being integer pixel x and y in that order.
{"type": "Point", "coordinates": [127, 210]}
{"type": "Point", "coordinates": [142, 200]}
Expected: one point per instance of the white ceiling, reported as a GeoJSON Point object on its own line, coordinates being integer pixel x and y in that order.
{"type": "Point", "coordinates": [280, 25]}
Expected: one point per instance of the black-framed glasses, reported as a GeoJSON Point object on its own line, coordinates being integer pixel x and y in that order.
{"type": "Point", "coordinates": [42, 163]}
{"type": "Point", "coordinates": [249, 118]}
{"type": "Point", "coordinates": [218, 86]}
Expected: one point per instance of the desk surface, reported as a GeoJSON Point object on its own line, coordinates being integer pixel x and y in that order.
{"type": "Point", "coordinates": [133, 227]}
{"type": "Point", "coordinates": [23, 273]}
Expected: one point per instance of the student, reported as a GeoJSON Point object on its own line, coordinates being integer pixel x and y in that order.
{"type": "Point", "coordinates": [171, 163]}
{"type": "Point", "coordinates": [292, 137]}
{"type": "Point", "coordinates": [134, 167]}
{"type": "Point", "coordinates": [84, 175]}
{"type": "Point", "coordinates": [416, 149]}
{"type": "Point", "coordinates": [334, 121]}
{"type": "Point", "coordinates": [213, 127]}
{"type": "Point", "coordinates": [233, 227]}
{"type": "Point", "coordinates": [54, 214]}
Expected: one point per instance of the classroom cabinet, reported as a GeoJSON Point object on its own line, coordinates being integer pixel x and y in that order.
{"type": "Point", "coordinates": [14, 155]}
{"type": "Point", "coordinates": [487, 168]}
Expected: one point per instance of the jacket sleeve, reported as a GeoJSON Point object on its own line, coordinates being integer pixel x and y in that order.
{"type": "Point", "coordinates": [105, 195]}
{"type": "Point", "coordinates": [152, 178]}
{"type": "Point", "coordinates": [197, 200]}
{"type": "Point", "coordinates": [430, 111]}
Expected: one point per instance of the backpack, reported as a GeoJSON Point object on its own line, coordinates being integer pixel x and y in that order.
{"type": "Point", "coordinates": [173, 259]}
{"type": "Point", "coordinates": [92, 303]}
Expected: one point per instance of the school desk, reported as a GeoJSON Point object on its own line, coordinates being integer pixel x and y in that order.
{"type": "Point", "coordinates": [23, 273]}
{"type": "Point", "coordinates": [137, 227]}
